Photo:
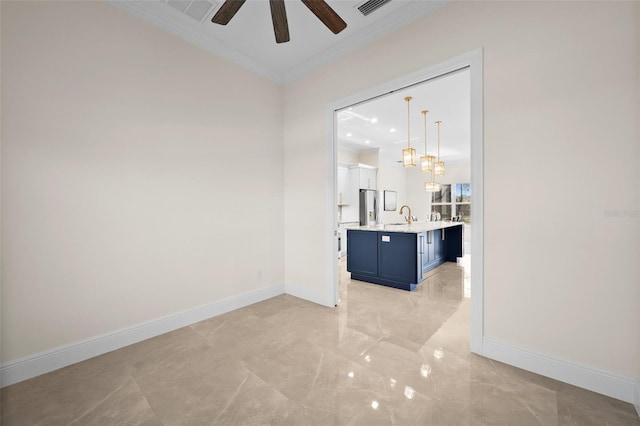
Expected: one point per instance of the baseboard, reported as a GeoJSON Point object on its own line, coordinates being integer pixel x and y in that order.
{"type": "Point", "coordinates": [310, 295]}
{"type": "Point", "coordinates": [45, 362]}
{"type": "Point", "coordinates": [603, 382]}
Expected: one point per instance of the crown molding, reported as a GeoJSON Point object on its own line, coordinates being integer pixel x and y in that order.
{"type": "Point", "coordinates": [147, 12]}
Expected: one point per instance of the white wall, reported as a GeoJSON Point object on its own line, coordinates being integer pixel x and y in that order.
{"type": "Point", "coordinates": [369, 157]}
{"type": "Point", "coordinates": [637, 203]}
{"type": "Point", "coordinates": [346, 156]}
{"type": "Point", "coordinates": [560, 135]}
{"type": "Point", "coordinates": [1, 176]}
{"type": "Point", "coordinates": [141, 176]}
{"type": "Point", "coordinates": [392, 176]}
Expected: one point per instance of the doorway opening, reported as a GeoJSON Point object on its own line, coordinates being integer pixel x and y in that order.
{"type": "Point", "coordinates": [368, 131]}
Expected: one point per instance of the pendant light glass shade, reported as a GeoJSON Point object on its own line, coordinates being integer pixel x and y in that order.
{"type": "Point", "coordinates": [438, 166]}
{"type": "Point", "coordinates": [408, 154]}
{"type": "Point", "coordinates": [426, 161]}
{"type": "Point", "coordinates": [408, 157]}
{"type": "Point", "coordinates": [432, 186]}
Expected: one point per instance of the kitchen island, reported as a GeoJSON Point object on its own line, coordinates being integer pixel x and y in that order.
{"type": "Point", "coordinates": [400, 255]}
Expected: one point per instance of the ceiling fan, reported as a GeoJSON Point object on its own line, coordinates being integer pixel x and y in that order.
{"type": "Point", "coordinates": [320, 8]}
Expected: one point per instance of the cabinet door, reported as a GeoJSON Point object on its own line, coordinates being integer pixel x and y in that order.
{"type": "Point", "coordinates": [454, 243]}
{"type": "Point", "coordinates": [362, 252]}
{"type": "Point", "coordinates": [431, 245]}
{"type": "Point", "coordinates": [397, 256]}
{"type": "Point", "coordinates": [438, 245]}
{"type": "Point", "coordinates": [373, 178]}
{"type": "Point", "coordinates": [368, 178]}
{"type": "Point", "coordinates": [344, 193]}
{"type": "Point", "coordinates": [424, 252]}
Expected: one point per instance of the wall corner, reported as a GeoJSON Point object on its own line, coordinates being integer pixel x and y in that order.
{"type": "Point", "coordinates": [636, 396]}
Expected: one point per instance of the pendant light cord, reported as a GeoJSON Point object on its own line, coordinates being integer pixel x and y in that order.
{"type": "Point", "coordinates": [424, 113]}
{"type": "Point", "coordinates": [408, 99]}
{"type": "Point", "coordinates": [438, 123]}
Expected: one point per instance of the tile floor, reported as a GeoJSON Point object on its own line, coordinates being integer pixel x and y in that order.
{"type": "Point", "coordinates": [383, 357]}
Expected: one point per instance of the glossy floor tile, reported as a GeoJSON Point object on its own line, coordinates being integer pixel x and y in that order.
{"type": "Point", "coordinates": [382, 357]}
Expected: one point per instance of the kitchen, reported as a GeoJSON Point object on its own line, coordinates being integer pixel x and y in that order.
{"type": "Point", "coordinates": [378, 194]}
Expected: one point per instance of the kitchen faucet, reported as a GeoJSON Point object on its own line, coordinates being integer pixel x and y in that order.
{"type": "Point", "coordinates": [408, 217]}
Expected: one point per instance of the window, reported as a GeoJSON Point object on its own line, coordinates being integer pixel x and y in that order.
{"type": "Point", "coordinates": [450, 204]}
{"type": "Point", "coordinates": [441, 201]}
{"type": "Point", "coordinates": [463, 192]}
{"type": "Point", "coordinates": [463, 201]}
{"type": "Point", "coordinates": [444, 196]}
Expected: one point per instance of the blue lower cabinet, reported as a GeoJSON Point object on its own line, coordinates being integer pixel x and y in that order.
{"type": "Point", "coordinates": [397, 255]}
{"type": "Point", "coordinates": [454, 247]}
{"type": "Point", "coordinates": [438, 245]}
{"type": "Point", "coordinates": [362, 253]}
{"type": "Point", "coordinates": [427, 251]}
{"type": "Point", "coordinates": [434, 249]}
{"type": "Point", "coordinates": [400, 259]}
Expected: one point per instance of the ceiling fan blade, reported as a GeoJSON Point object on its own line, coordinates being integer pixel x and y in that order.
{"type": "Point", "coordinates": [227, 11]}
{"type": "Point", "coordinates": [326, 14]}
{"type": "Point", "coordinates": [279, 19]}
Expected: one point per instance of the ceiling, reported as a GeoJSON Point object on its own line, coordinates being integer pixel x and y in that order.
{"type": "Point", "coordinates": [382, 122]}
{"type": "Point", "coordinates": [249, 40]}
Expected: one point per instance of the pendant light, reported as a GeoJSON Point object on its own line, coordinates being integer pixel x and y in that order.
{"type": "Point", "coordinates": [426, 161]}
{"type": "Point", "coordinates": [438, 166]}
{"type": "Point", "coordinates": [432, 185]}
{"type": "Point", "coordinates": [408, 154]}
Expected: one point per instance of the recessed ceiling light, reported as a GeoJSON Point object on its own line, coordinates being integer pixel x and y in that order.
{"type": "Point", "coordinates": [367, 141]}
{"type": "Point", "coordinates": [349, 135]}
{"type": "Point", "coordinates": [392, 129]}
{"type": "Point", "coordinates": [374, 120]}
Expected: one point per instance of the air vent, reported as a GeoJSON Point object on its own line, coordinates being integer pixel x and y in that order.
{"type": "Point", "coordinates": [196, 9]}
{"type": "Point", "coordinates": [181, 5]}
{"type": "Point", "coordinates": [371, 6]}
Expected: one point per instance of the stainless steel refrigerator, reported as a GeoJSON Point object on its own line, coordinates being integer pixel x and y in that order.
{"type": "Point", "coordinates": [368, 207]}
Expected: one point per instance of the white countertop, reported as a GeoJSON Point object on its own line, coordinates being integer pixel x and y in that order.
{"type": "Point", "coordinates": [415, 227]}
{"type": "Point", "coordinates": [349, 225]}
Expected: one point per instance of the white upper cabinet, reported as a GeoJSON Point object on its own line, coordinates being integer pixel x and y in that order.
{"type": "Point", "coordinates": [368, 178]}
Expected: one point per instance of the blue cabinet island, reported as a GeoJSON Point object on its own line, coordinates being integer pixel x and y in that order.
{"type": "Point", "coordinates": [400, 255]}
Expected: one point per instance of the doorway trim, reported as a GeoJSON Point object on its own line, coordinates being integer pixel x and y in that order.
{"type": "Point", "coordinates": [472, 60]}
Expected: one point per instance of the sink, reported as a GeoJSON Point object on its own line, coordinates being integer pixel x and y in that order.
{"type": "Point", "coordinates": [397, 226]}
